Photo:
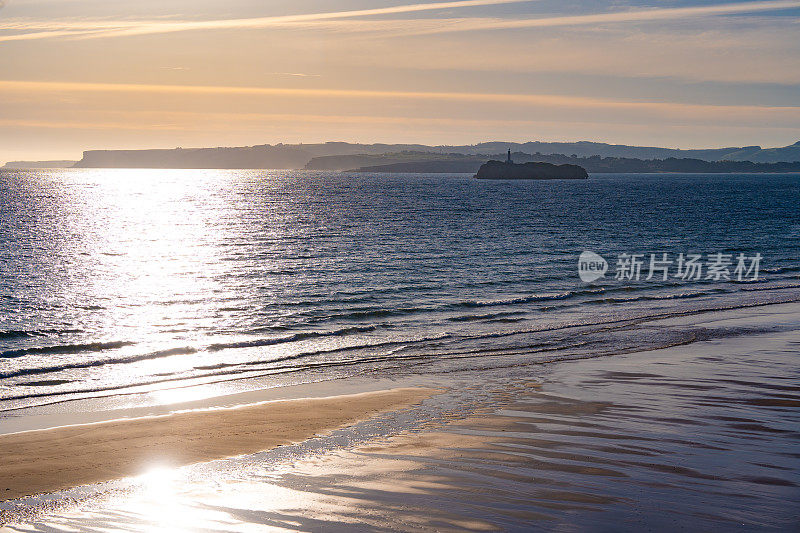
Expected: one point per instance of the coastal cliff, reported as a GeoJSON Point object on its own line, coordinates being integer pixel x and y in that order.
{"type": "Point", "coordinates": [500, 170]}
{"type": "Point", "coordinates": [38, 164]}
{"type": "Point", "coordinates": [262, 156]}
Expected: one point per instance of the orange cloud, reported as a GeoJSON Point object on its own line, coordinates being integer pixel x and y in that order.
{"type": "Point", "coordinates": [538, 99]}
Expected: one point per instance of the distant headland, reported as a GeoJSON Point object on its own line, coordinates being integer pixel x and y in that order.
{"type": "Point", "coordinates": [39, 164]}
{"type": "Point", "coordinates": [508, 170]}
{"type": "Point", "coordinates": [418, 158]}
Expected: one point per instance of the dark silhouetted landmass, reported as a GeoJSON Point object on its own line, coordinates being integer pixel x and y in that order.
{"type": "Point", "coordinates": [266, 156]}
{"type": "Point", "coordinates": [345, 156]}
{"type": "Point", "coordinates": [279, 156]}
{"type": "Point", "coordinates": [39, 164]}
{"type": "Point", "coordinates": [435, 166]}
{"type": "Point", "coordinates": [506, 170]}
{"type": "Point", "coordinates": [672, 164]}
{"type": "Point", "coordinates": [429, 163]}
{"type": "Point", "coordinates": [350, 161]}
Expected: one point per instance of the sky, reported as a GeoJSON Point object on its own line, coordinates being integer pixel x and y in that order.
{"type": "Point", "coordinates": [121, 74]}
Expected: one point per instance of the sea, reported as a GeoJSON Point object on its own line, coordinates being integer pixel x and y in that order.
{"type": "Point", "coordinates": [125, 288]}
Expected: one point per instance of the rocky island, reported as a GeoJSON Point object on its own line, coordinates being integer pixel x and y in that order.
{"type": "Point", "coordinates": [508, 170]}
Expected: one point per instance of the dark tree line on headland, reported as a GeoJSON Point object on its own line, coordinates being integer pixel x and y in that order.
{"type": "Point", "coordinates": [420, 162]}
{"type": "Point", "coordinates": [670, 164]}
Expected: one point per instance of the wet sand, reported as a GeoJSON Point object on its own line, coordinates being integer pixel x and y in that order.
{"type": "Point", "coordinates": [48, 460]}
{"type": "Point", "coordinates": [701, 438]}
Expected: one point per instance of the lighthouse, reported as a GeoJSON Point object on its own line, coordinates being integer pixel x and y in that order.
{"type": "Point", "coordinates": [508, 158]}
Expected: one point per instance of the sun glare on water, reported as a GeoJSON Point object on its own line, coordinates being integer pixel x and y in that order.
{"type": "Point", "coordinates": [151, 240]}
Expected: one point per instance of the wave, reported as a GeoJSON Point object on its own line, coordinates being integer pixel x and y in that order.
{"type": "Point", "coordinates": [184, 350]}
{"type": "Point", "coordinates": [361, 329]}
{"type": "Point", "coordinates": [407, 343]}
{"type": "Point", "coordinates": [217, 374]}
{"type": "Point", "coordinates": [534, 298]}
{"type": "Point", "coordinates": [638, 339]}
{"type": "Point", "coordinates": [66, 349]}
{"type": "Point", "coordinates": [46, 383]}
{"type": "Point", "coordinates": [329, 351]}
{"type": "Point", "coordinates": [382, 312]}
{"type": "Point", "coordinates": [770, 288]}
{"type": "Point", "coordinates": [432, 347]}
{"type": "Point", "coordinates": [360, 314]}
{"type": "Point", "coordinates": [376, 312]}
{"type": "Point", "coordinates": [679, 296]}
{"type": "Point", "coordinates": [470, 304]}
{"type": "Point", "coordinates": [290, 338]}
{"type": "Point", "coordinates": [287, 327]}
{"type": "Point", "coordinates": [781, 270]}
{"type": "Point", "coordinates": [21, 334]}
{"type": "Point", "coordinates": [97, 363]}
{"type": "Point", "coordinates": [486, 316]}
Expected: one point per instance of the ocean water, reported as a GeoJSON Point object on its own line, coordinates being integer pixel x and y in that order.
{"type": "Point", "coordinates": [129, 283]}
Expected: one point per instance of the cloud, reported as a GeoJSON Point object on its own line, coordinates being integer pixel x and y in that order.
{"type": "Point", "coordinates": [634, 15]}
{"type": "Point", "coordinates": [547, 100]}
{"type": "Point", "coordinates": [128, 28]}
{"type": "Point", "coordinates": [296, 74]}
{"type": "Point", "coordinates": [146, 115]}
{"type": "Point", "coordinates": [755, 50]}
{"type": "Point", "coordinates": [334, 20]}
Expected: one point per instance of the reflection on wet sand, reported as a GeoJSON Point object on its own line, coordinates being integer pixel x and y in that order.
{"type": "Point", "coordinates": [706, 438]}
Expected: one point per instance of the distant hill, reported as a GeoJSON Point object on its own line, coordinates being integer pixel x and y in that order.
{"type": "Point", "coordinates": [579, 149]}
{"type": "Point", "coordinates": [350, 161]}
{"type": "Point", "coordinates": [430, 163]}
{"type": "Point", "coordinates": [39, 164]}
{"type": "Point", "coordinates": [755, 154]}
{"type": "Point", "coordinates": [261, 156]}
{"type": "Point", "coordinates": [769, 155]}
{"type": "Point", "coordinates": [266, 156]}
{"type": "Point", "coordinates": [434, 166]}
{"type": "Point", "coordinates": [344, 156]}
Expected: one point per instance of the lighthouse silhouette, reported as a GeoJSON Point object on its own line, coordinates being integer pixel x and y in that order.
{"type": "Point", "coordinates": [508, 159]}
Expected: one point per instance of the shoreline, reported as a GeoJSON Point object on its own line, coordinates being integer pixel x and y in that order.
{"type": "Point", "coordinates": [235, 391]}
{"type": "Point", "coordinates": [196, 397]}
{"type": "Point", "coordinates": [599, 442]}
{"type": "Point", "coordinates": [49, 460]}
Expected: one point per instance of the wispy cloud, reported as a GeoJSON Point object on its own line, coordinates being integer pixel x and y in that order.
{"type": "Point", "coordinates": [336, 20]}
{"type": "Point", "coordinates": [105, 28]}
{"type": "Point", "coordinates": [429, 26]}
{"type": "Point", "coordinates": [29, 87]}
{"type": "Point", "coordinates": [748, 50]}
{"type": "Point", "coordinates": [634, 15]}
{"type": "Point", "coordinates": [296, 74]}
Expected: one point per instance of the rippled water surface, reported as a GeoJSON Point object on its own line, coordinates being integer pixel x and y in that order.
{"type": "Point", "coordinates": [135, 281]}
